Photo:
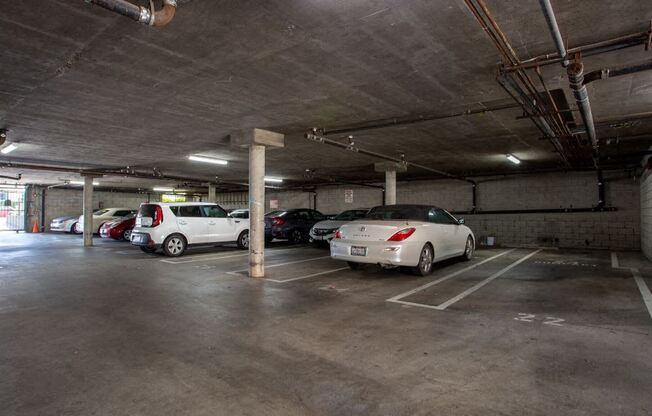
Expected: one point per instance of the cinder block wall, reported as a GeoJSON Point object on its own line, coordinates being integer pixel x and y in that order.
{"type": "Point", "coordinates": [619, 230]}
{"type": "Point", "coordinates": [60, 202]}
{"type": "Point", "coordinates": [646, 214]}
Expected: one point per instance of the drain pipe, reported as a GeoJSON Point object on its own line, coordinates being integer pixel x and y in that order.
{"type": "Point", "coordinates": [605, 73]}
{"type": "Point", "coordinates": [549, 13]}
{"type": "Point", "coordinates": [151, 17]}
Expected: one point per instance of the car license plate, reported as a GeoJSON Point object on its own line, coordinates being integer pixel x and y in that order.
{"type": "Point", "coordinates": [358, 251]}
{"type": "Point", "coordinates": [137, 238]}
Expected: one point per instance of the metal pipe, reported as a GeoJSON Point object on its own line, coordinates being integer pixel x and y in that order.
{"type": "Point", "coordinates": [605, 73]}
{"type": "Point", "coordinates": [13, 178]}
{"type": "Point", "coordinates": [601, 191]}
{"type": "Point", "coordinates": [320, 138]}
{"type": "Point", "coordinates": [141, 14]}
{"type": "Point", "coordinates": [576, 79]}
{"type": "Point", "coordinates": [549, 13]}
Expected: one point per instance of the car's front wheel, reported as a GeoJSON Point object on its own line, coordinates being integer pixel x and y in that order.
{"type": "Point", "coordinates": [426, 259]}
{"type": "Point", "coordinates": [126, 235]}
{"type": "Point", "coordinates": [469, 249]}
{"type": "Point", "coordinates": [74, 229]}
{"type": "Point", "coordinates": [296, 236]}
{"type": "Point", "coordinates": [243, 240]}
{"type": "Point", "coordinates": [174, 246]}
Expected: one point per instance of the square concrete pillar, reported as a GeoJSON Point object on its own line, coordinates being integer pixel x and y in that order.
{"type": "Point", "coordinates": [257, 141]}
{"type": "Point", "coordinates": [390, 169]}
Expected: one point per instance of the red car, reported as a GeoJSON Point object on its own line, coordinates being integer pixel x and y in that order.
{"type": "Point", "coordinates": [119, 229]}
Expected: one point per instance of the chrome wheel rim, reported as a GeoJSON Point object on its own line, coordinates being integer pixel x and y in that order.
{"type": "Point", "coordinates": [296, 235]}
{"type": "Point", "coordinates": [426, 259]}
{"type": "Point", "coordinates": [127, 235]}
{"type": "Point", "coordinates": [469, 248]}
{"type": "Point", "coordinates": [245, 240]}
{"type": "Point", "coordinates": [175, 245]}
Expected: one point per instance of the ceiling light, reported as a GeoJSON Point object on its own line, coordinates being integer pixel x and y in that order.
{"type": "Point", "coordinates": [82, 182]}
{"type": "Point", "coordinates": [208, 160]}
{"type": "Point", "coordinates": [8, 149]}
{"type": "Point", "coordinates": [163, 189]}
{"type": "Point", "coordinates": [274, 180]}
{"type": "Point", "coordinates": [513, 159]}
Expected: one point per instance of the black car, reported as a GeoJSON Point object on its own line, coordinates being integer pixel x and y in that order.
{"type": "Point", "coordinates": [291, 224]}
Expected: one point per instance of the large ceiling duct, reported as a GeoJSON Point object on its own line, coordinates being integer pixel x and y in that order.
{"type": "Point", "coordinates": [141, 14]}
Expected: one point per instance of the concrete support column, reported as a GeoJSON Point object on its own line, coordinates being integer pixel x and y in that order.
{"type": "Point", "coordinates": [256, 211]}
{"type": "Point", "coordinates": [390, 169]}
{"type": "Point", "coordinates": [88, 211]}
{"type": "Point", "coordinates": [390, 187]}
{"type": "Point", "coordinates": [257, 140]}
{"type": "Point", "coordinates": [211, 194]}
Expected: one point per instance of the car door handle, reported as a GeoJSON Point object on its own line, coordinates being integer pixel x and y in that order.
{"type": "Point", "coordinates": [212, 223]}
{"type": "Point", "coordinates": [237, 222]}
{"type": "Point", "coordinates": [182, 222]}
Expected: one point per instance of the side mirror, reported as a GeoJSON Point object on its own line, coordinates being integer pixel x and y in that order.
{"type": "Point", "coordinates": [461, 221]}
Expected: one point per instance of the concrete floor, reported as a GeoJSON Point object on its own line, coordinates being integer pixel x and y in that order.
{"type": "Point", "coordinates": [110, 330]}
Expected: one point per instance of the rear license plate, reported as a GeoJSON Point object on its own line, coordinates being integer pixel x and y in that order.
{"type": "Point", "coordinates": [137, 238]}
{"type": "Point", "coordinates": [358, 251]}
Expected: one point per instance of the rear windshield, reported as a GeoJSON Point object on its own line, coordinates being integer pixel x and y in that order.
{"type": "Point", "coordinates": [275, 213]}
{"type": "Point", "coordinates": [398, 212]}
{"type": "Point", "coordinates": [147, 210]}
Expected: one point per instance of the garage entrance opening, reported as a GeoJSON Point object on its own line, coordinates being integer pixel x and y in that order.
{"type": "Point", "coordinates": [12, 208]}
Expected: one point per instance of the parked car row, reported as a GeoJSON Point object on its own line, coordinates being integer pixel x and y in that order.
{"type": "Point", "coordinates": [109, 217]}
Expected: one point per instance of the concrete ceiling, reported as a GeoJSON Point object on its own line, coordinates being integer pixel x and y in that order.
{"type": "Point", "coordinates": [80, 85]}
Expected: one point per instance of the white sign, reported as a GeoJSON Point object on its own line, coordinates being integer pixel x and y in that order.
{"type": "Point", "coordinates": [273, 204]}
{"type": "Point", "coordinates": [348, 196]}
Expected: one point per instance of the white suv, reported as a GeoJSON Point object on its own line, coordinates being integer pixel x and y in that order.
{"type": "Point", "coordinates": [174, 226]}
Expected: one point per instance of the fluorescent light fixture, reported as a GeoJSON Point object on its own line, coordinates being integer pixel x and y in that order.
{"type": "Point", "coordinates": [82, 182]}
{"type": "Point", "coordinates": [208, 160]}
{"type": "Point", "coordinates": [156, 189]}
{"type": "Point", "coordinates": [513, 159]}
{"type": "Point", "coordinates": [8, 149]}
{"type": "Point", "coordinates": [273, 180]}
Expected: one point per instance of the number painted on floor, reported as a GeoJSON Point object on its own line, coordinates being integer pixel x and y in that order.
{"type": "Point", "coordinates": [553, 321]}
{"type": "Point", "coordinates": [548, 320]}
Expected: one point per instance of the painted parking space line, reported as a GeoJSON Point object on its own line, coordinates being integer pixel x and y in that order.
{"type": "Point", "coordinates": [217, 256]}
{"type": "Point", "coordinates": [640, 282]}
{"type": "Point", "coordinates": [489, 279]}
{"type": "Point", "coordinates": [282, 264]}
{"type": "Point", "coordinates": [397, 298]}
{"type": "Point", "coordinates": [308, 275]}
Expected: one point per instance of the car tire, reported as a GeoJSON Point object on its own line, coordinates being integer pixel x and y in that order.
{"type": "Point", "coordinates": [126, 235]}
{"type": "Point", "coordinates": [73, 229]}
{"type": "Point", "coordinates": [148, 250]}
{"type": "Point", "coordinates": [174, 245]}
{"type": "Point", "coordinates": [269, 240]}
{"type": "Point", "coordinates": [243, 240]}
{"type": "Point", "coordinates": [296, 236]}
{"type": "Point", "coordinates": [353, 265]}
{"type": "Point", "coordinates": [469, 249]}
{"type": "Point", "coordinates": [426, 259]}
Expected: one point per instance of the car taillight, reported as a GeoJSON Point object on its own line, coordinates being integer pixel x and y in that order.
{"type": "Point", "coordinates": [278, 221]}
{"type": "Point", "coordinates": [158, 216]}
{"type": "Point", "coordinates": [338, 235]}
{"type": "Point", "coordinates": [402, 235]}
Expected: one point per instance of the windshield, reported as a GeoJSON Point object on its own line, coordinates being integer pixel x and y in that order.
{"type": "Point", "coordinates": [351, 215]}
{"type": "Point", "coordinates": [398, 212]}
{"type": "Point", "coordinates": [275, 213]}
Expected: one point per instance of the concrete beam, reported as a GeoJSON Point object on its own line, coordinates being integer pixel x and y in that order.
{"type": "Point", "coordinates": [390, 166]}
{"type": "Point", "coordinates": [257, 141]}
{"type": "Point", "coordinates": [390, 169]}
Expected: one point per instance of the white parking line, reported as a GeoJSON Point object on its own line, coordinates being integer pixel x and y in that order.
{"type": "Point", "coordinates": [216, 256]}
{"type": "Point", "coordinates": [308, 275]}
{"type": "Point", "coordinates": [640, 282]}
{"type": "Point", "coordinates": [442, 279]}
{"type": "Point", "coordinates": [485, 281]}
{"type": "Point", "coordinates": [282, 264]}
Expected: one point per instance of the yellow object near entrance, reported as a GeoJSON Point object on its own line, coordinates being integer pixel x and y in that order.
{"type": "Point", "coordinates": [173, 198]}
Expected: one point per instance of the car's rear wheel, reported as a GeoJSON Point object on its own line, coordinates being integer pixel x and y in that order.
{"type": "Point", "coordinates": [174, 246]}
{"type": "Point", "coordinates": [426, 259]}
{"type": "Point", "coordinates": [469, 249]}
{"type": "Point", "coordinates": [353, 265]}
{"type": "Point", "coordinates": [148, 250]}
{"type": "Point", "coordinates": [73, 229]}
{"type": "Point", "coordinates": [268, 240]}
{"type": "Point", "coordinates": [296, 236]}
{"type": "Point", "coordinates": [126, 235]}
{"type": "Point", "coordinates": [243, 240]}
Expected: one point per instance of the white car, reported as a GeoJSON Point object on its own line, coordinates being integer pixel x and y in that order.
{"type": "Point", "coordinates": [104, 215]}
{"type": "Point", "coordinates": [403, 235]}
{"type": "Point", "coordinates": [174, 226]}
{"type": "Point", "coordinates": [325, 230]}
{"type": "Point", "coordinates": [66, 224]}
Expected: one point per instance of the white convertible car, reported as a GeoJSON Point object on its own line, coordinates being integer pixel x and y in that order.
{"type": "Point", "coordinates": [403, 235]}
